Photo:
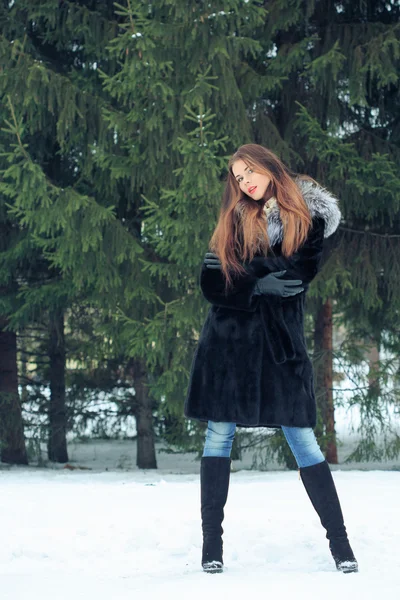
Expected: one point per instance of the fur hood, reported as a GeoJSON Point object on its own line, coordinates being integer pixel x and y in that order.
{"type": "Point", "coordinates": [320, 202]}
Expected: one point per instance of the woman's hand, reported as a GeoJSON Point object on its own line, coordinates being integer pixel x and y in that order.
{"type": "Point", "coordinates": [212, 261]}
{"type": "Point", "coordinates": [270, 284]}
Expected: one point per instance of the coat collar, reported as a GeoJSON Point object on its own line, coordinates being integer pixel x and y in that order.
{"type": "Point", "coordinates": [320, 202]}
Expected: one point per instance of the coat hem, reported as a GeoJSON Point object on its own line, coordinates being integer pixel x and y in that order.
{"type": "Point", "coordinates": [248, 425]}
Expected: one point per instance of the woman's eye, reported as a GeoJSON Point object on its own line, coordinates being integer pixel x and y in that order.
{"type": "Point", "coordinates": [249, 170]}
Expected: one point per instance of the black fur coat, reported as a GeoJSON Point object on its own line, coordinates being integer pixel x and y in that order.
{"type": "Point", "coordinates": [251, 365]}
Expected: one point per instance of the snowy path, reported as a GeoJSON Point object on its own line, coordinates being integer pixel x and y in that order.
{"type": "Point", "coordinates": [99, 536]}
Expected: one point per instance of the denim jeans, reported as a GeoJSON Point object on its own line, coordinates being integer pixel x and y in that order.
{"type": "Point", "coordinates": [302, 442]}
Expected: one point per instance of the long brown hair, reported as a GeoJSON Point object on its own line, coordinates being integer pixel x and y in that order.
{"type": "Point", "coordinates": [241, 231]}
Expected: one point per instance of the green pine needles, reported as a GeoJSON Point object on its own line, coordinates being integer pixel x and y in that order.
{"type": "Point", "coordinates": [117, 123]}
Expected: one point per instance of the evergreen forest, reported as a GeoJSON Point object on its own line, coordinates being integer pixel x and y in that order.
{"type": "Point", "coordinates": [117, 122]}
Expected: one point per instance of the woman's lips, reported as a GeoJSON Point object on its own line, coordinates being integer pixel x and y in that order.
{"type": "Point", "coordinates": [252, 189]}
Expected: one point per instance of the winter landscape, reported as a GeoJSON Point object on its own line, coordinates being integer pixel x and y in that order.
{"type": "Point", "coordinates": [104, 529]}
{"type": "Point", "coordinates": [117, 120]}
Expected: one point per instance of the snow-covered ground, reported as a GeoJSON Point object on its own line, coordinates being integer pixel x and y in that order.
{"type": "Point", "coordinates": [103, 529]}
{"type": "Point", "coordinates": [113, 533]}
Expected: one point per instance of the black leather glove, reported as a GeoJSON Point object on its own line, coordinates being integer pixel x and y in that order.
{"type": "Point", "coordinates": [270, 284]}
{"type": "Point", "coordinates": [212, 261]}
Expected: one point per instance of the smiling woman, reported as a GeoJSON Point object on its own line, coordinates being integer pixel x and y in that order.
{"type": "Point", "coordinates": [253, 184]}
{"type": "Point", "coordinates": [257, 180]}
{"type": "Point", "coordinates": [251, 367]}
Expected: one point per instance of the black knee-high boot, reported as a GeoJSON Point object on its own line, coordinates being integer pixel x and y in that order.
{"type": "Point", "coordinates": [214, 483]}
{"type": "Point", "coordinates": [321, 490]}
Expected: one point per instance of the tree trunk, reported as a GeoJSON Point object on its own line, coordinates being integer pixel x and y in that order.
{"type": "Point", "coordinates": [146, 451]}
{"type": "Point", "coordinates": [373, 358]}
{"type": "Point", "coordinates": [324, 378]}
{"type": "Point", "coordinates": [12, 441]}
{"type": "Point", "coordinates": [57, 443]}
{"type": "Point", "coordinates": [23, 376]}
{"type": "Point", "coordinates": [331, 449]}
{"type": "Point", "coordinates": [236, 453]}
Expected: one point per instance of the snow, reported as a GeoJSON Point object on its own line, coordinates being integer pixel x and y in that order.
{"type": "Point", "coordinates": [103, 531]}
{"type": "Point", "coordinates": [106, 530]}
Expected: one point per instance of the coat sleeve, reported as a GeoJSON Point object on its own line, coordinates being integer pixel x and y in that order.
{"type": "Point", "coordinates": [239, 297]}
{"type": "Point", "coordinates": [304, 263]}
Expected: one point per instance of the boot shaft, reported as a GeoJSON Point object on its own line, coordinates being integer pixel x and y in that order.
{"type": "Point", "coordinates": [321, 490]}
{"type": "Point", "coordinates": [214, 485]}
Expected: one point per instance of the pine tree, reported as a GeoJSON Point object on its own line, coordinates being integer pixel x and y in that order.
{"type": "Point", "coordinates": [120, 118]}
{"type": "Point", "coordinates": [52, 101]}
{"type": "Point", "coordinates": [12, 441]}
{"type": "Point", "coordinates": [334, 116]}
{"type": "Point", "coordinates": [178, 63]}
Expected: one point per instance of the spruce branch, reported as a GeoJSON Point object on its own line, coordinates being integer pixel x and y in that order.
{"type": "Point", "coordinates": [130, 16]}
{"type": "Point", "coordinates": [16, 128]}
{"type": "Point", "coordinates": [366, 232]}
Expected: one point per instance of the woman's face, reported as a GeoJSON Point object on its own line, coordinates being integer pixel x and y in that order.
{"type": "Point", "coordinates": [253, 184]}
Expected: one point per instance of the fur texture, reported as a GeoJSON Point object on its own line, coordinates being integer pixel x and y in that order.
{"type": "Point", "coordinates": [320, 202]}
{"type": "Point", "coordinates": [251, 365]}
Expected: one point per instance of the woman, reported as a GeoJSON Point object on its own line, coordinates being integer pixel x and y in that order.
{"type": "Point", "coordinates": [251, 366]}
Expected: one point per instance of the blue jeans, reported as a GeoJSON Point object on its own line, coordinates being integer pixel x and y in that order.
{"type": "Point", "coordinates": [302, 442]}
